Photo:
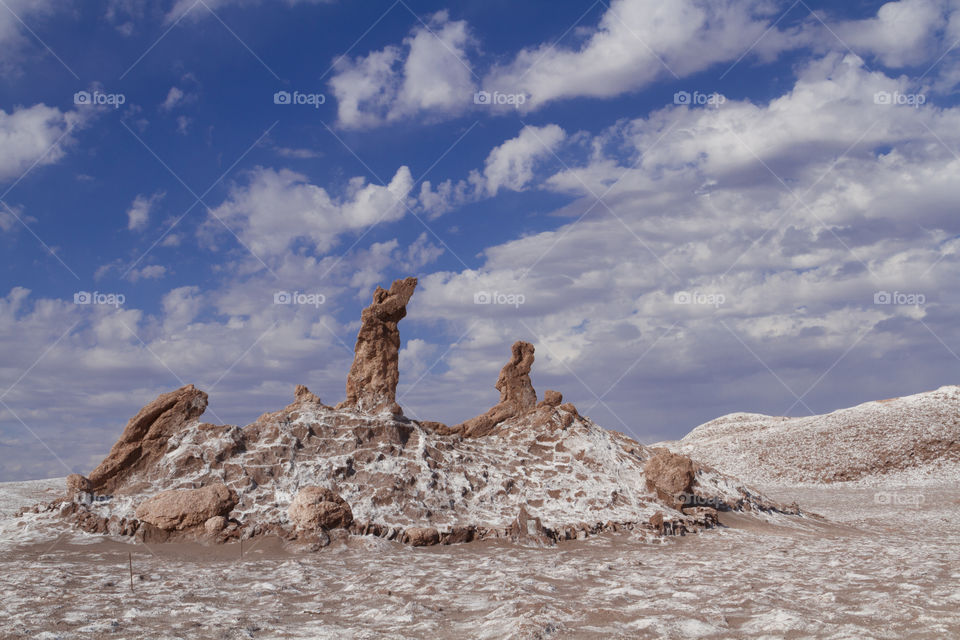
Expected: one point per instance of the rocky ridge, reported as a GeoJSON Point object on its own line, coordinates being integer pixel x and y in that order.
{"type": "Point", "coordinates": [536, 472]}
{"type": "Point", "coordinates": [914, 439]}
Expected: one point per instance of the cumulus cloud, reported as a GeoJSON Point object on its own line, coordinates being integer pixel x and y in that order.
{"type": "Point", "coordinates": [901, 34]}
{"type": "Point", "coordinates": [638, 42]}
{"type": "Point", "coordinates": [37, 135]}
{"type": "Point", "coordinates": [139, 212]}
{"type": "Point", "coordinates": [428, 76]}
{"type": "Point", "coordinates": [781, 221]}
{"type": "Point", "coordinates": [509, 165]}
{"type": "Point", "coordinates": [275, 209]}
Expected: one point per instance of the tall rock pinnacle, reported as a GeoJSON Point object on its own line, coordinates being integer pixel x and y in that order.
{"type": "Point", "coordinates": [517, 395]}
{"type": "Point", "coordinates": [372, 381]}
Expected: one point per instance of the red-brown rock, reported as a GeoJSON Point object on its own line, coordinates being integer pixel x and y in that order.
{"type": "Point", "coordinates": [551, 398]}
{"type": "Point", "coordinates": [372, 381]}
{"type": "Point", "coordinates": [421, 536]}
{"type": "Point", "coordinates": [517, 395]}
{"type": "Point", "coordinates": [78, 484]}
{"type": "Point", "coordinates": [671, 476]}
{"type": "Point", "coordinates": [319, 508]}
{"type": "Point", "coordinates": [181, 509]}
{"type": "Point", "coordinates": [144, 439]}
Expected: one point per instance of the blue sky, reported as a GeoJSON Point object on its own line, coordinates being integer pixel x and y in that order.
{"type": "Point", "coordinates": [690, 208]}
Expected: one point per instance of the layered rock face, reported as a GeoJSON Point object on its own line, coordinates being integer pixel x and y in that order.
{"type": "Point", "coordinates": [533, 472]}
{"type": "Point", "coordinates": [144, 439]}
{"type": "Point", "coordinates": [372, 381]}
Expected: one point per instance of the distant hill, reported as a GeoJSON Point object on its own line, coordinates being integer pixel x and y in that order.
{"type": "Point", "coordinates": [914, 437]}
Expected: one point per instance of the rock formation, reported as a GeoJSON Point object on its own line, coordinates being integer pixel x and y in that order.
{"type": "Point", "coordinates": [532, 472]}
{"type": "Point", "coordinates": [372, 381]}
{"type": "Point", "coordinates": [181, 509]}
{"type": "Point", "coordinates": [144, 440]}
{"type": "Point", "coordinates": [517, 395]}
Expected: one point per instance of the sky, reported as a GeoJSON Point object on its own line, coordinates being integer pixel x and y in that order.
{"type": "Point", "coordinates": [690, 208]}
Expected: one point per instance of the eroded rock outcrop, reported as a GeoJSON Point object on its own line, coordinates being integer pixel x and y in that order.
{"type": "Point", "coordinates": [372, 381]}
{"type": "Point", "coordinates": [517, 395]}
{"type": "Point", "coordinates": [144, 440]}
{"type": "Point", "coordinates": [532, 472]}
{"type": "Point", "coordinates": [182, 509]}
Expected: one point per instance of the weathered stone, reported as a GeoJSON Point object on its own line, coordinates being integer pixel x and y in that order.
{"type": "Point", "coordinates": [671, 476]}
{"type": "Point", "coordinates": [215, 525]}
{"type": "Point", "coordinates": [527, 528]}
{"type": "Point", "coordinates": [551, 398]}
{"type": "Point", "coordinates": [421, 536]}
{"type": "Point", "coordinates": [517, 395]}
{"type": "Point", "coordinates": [303, 394]}
{"type": "Point", "coordinates": [78, 486]}
{"type": "Point", "coordinates": [144, 440]}
{"type": "Point", "coordinates": [319, 508]}
{"type": "Point", "coordinates": [373, 377]}
{"type": "Point", "coordinates": [181, 509]}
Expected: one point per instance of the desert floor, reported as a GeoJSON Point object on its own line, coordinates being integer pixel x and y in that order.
{"type": "Point", "coordinates": [878, 566]}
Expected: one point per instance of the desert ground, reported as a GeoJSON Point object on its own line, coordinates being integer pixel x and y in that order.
{"type": "Point", "coordinates": [883, 562]}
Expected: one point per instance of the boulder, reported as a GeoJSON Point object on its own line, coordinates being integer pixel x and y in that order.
{"type": "Point", "coordinates": [319, 508]}
{"type": "Point", "coordinates": [551, 398]}
{"type": "Point", "coordinates": [78, 485]}
{"type": "Point", "coordinates": [144, 440]}
{"type": "Point", "coordinates": [671, 477]}
{"type": "Point", "coordinates": [181, 509]}
{"type": "Point", "coordinates": [215, 525]}
{"type": "Point", "coordinates": [373, 377]}
{"type": "Point", "coordinates": [421, 536]}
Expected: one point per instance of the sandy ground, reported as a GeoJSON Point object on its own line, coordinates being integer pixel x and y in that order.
{"type": "Point", "coordinates": [884, 564]}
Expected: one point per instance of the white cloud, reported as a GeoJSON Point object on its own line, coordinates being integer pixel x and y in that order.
{"type": "Point", "coordinates": [150, 272]}
{"type": "Point", "coordinates": [429, 76]}
{"type": "Point", "coordinates": [297, 154]}
{"type": "Point", "coordinates": [13, 37]}
{"type": "Point", "coordinates": [174, 97]}
{"type": "Point", "coordinates": [511, 164]}
{"type": "Point", "coordinates": [34, 135]}
{"type": "Point", "coordinates": [277, 209]}
{"type": "Point", "coordinates": [901, 34]}
{"type": "Point", "coordinates": [700, 211]}
{"type": "Point", "coordinates": [139, 212]}
{"type": "Point", "coordinates": [636, 43]}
